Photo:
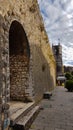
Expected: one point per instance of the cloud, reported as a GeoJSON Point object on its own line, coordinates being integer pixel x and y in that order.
{"type": "Point", "coordinates": [58, 20]}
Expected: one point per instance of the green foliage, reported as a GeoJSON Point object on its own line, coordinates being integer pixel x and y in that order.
{"type": "Point", "coordinates": [68, 76]}
{"type": "Point", "coordinates": [72, 73]}
{"type": "Point", "coordinates": [69, 85]}
{"type": "Point", "coordinates": [72, 77]}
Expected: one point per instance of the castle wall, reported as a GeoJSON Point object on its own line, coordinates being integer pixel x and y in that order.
{"type": "Point", "coordinates": [42, 64]}
{"type": "Point", "coordinates": [23, 75]}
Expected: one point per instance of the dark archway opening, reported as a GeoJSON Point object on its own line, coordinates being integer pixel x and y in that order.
{"type": "Point", "coordinates": [19, 56]}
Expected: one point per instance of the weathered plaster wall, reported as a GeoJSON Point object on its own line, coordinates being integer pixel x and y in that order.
{"type": "Point", "coordinates": [42, 63]}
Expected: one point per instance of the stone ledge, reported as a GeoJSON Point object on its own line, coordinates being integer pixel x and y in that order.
{"type": "Point", "coordinates": [26, 121]}
{"type": "Point", "coordinates": [18, 110]}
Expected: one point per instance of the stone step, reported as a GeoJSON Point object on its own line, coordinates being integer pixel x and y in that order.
{"type": "Point", "coordinates": [18, 111]}
{"type": "Point", "coordinates": [25, 122]}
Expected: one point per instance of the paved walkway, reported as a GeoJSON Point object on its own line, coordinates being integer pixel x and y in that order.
{"type": "Point", "coordinates": [56, 113]}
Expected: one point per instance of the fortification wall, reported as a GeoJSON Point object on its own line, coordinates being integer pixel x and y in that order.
{"type": "Point", "coordinates": [41, 75]}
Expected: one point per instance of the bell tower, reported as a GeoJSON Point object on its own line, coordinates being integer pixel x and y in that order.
{"type": "Point", "coordinates": [57, 50]}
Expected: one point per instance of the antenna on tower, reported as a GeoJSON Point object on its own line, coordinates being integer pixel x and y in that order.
{"type": "Point", "coordinates": [59, 41]}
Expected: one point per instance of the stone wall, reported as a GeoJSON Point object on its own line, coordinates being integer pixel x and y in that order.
{"type": "Point", "coordinates": [18, 81]}
{"type": "Point", "coordinates": [4, 77]}
{"type": "Point", "coordinates": [42, 63]}
{"type": "Point", "coordinates": [18, 77]}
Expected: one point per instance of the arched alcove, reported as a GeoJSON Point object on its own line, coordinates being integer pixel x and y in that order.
{"type": "Point", "coordinates": [19, 56]}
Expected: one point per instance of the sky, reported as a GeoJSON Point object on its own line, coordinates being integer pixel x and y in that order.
{"type": "Point", "coordinates": [58, 21]}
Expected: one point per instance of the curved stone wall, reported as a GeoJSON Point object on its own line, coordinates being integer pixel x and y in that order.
{"type": "Point", "coordinates": [41, 75]}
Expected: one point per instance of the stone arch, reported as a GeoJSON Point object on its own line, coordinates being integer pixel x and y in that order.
{"type": "Point", "coordinates": [19, 58]}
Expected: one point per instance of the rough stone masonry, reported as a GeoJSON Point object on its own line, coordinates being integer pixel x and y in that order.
{"type": "Point", "coordinates": [27, 64]}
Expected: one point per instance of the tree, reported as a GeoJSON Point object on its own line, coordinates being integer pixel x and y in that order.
{"type": "Point", "coordinates": [68, 76]}
{"type": "Point", "coordinates": [72, 73]}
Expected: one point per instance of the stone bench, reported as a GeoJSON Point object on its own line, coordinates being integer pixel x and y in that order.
{"type": "Point", "coordinates": [47, 95]}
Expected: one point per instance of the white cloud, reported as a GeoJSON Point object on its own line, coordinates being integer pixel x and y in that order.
{"type": "Point", "coordinates": [58, 20]}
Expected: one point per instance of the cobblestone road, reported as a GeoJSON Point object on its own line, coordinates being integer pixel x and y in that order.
{"type": "Point", "coordinates": [56, 113]}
